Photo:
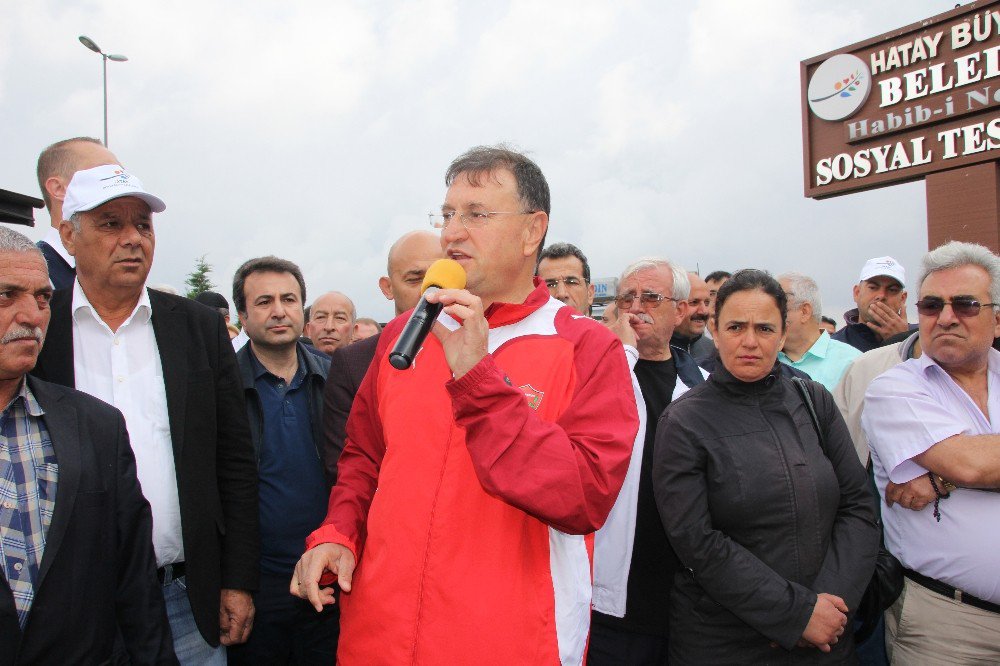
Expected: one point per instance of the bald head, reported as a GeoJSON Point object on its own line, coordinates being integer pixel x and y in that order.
{"type": "Point", "coordinates": [409, 258]}
{"type": "Point", "coordinates": [331, 321]}
{"type": "Point", "coordinates": [58, 163]}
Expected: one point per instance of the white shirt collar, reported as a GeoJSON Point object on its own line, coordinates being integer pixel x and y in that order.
{"type": "Point", "coordinates": [925, 362]}
{"type": "Point", "coordinates": [55, 242]}
{"type": "Point", "coordinates": [143, 309]}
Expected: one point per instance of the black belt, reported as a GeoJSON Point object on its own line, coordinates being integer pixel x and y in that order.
{"type": "Point", "coordinates": [946, 590]}
{"type": "Point", "coordinates": [175, 570]}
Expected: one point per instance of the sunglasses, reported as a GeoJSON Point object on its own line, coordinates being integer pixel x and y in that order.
{"type": "Point", "coordinates": [963, 306]}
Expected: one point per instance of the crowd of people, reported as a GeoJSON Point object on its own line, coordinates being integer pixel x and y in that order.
{"type": "Point", "coordinates": [706, 474]}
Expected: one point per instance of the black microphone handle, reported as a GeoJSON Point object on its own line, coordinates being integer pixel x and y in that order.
{"type": "Point", "coordinates": [417, 327]}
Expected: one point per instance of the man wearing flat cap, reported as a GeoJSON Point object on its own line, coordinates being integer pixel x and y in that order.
{"type": "Point", "coordinates": [167, 364]}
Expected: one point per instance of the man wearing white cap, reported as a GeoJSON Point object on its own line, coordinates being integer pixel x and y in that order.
{"type": "Point", "coordinates": [166, 363]}
{"type": "Point", "coordinates": [881, 299]}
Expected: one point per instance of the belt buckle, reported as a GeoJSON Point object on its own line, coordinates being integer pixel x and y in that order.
{"type": "Point", "coordinates": [958, 595]}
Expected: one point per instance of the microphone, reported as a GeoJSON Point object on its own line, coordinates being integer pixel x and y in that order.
{"type": "Point", "coordinates": [442, 274]}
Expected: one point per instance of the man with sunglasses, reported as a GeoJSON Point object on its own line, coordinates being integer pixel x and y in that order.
{"type": "Point", "coordinates": [634, 565]}
{"type": "Point", "coordinates": [470, 483]}
{"type": "Point", "coordinates": [938, 417]}
{"type": "Point", "coordinates": [880, 295]}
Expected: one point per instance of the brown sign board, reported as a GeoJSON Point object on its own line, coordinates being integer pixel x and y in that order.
{"type": "Point", "coordinates": [895, 108]}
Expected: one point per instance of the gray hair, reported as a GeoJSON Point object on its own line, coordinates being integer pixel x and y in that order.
{"type": "Point", "coordinates": [74, 220]}
{"type": "Point", "coordinates": [957, 254]}
{"type": "Point", "coordinates": [803, 289]}
{"type": "Point", "coordinates": [682, 285]}
{"type": "Point", "coordinates": [15, 241]}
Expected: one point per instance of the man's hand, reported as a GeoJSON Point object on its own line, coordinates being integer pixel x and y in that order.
{"type": "Point", "coordinates": [469, 344]}
{"type": "Point", "coordinates": [886, 322]}
{"type": "Point", "coordinates": [235, 616]}
{"type": "Point", "coordinates": [331, 557]}
{"type": "Point", "coordinates": [622, 327]}
{"type": "Point", "coordinates": [829, 618]}
{"type": "Point", "coordinates": [914, 495]}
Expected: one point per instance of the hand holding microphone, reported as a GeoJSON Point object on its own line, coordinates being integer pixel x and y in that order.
{"type": "Point", "coordinates": [442, 274]}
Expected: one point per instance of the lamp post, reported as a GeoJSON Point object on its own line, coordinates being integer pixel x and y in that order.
{"type": "Point", "coordinates": [105, 57]}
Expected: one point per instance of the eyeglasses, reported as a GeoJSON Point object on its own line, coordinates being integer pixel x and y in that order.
{"type": "Point", "coordinates": [568, 281]}
{"type": "Point", "coordinates": [472, 220]}
{"type": "Point", "coordinates": [932, 306]}
{"type": "Point", "coordinates": [648, 298]}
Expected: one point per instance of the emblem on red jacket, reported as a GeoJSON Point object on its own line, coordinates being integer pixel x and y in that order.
{"type": "Point", "coordinates": [533, 395]}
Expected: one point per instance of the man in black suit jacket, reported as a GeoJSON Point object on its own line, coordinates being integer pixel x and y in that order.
{"type": "Point", "coordinates": [56, 166]}
{"type": "Point", "coordinates": [76, 560]}
{"type": "Point", "coordinates": [408, 260]}
{"type": "Point", "coordinates": [188, 407]}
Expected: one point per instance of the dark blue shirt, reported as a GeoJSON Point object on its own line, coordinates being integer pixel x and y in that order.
{"type": "Point", "coordinates": [293, 491]}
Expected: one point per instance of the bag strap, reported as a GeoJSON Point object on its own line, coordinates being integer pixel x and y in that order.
{"type": "Point", "coordinates": [803, 389]}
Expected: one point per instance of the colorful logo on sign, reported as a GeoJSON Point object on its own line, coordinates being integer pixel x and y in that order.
{"type": "Point", "coordinates": [839, 87]}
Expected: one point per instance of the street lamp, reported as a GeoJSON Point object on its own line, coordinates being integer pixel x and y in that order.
{"type": "Point", "coordinates": [105, 57]}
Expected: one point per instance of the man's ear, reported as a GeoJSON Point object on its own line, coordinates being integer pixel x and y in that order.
{"type": "Point", "coordinates": [55, 188]}
{"type": "Point", "coordinates": [67, 235]}
{"type": "Point", "coordinates": [386, 286]}
{"type": "Point", "coordinates": [590, 294]}
{"type": "Point", "coordinates": [534, 234]}
{"type": "Point", "coordinates": [682, 311]}
{"type": "Point", "coordinates": [902, 304]}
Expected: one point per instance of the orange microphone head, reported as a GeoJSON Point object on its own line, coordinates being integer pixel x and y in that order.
{"type": "Point", "coordinates": [444, 274]}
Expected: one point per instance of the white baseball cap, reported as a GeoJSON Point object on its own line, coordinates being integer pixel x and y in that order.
{"type": "Point", "coordinates": [91, 188]}
{"type": "Point", "coordinates": [886, 266]}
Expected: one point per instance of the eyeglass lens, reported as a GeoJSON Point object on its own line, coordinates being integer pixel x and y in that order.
{"type": "Point", "coordinates": [963, 307]}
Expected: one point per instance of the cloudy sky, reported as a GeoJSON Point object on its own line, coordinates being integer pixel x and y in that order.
{"type": "Point", "coordinates": [320, 131]}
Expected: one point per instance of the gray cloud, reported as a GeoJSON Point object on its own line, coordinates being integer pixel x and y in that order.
{"type": "Point", "coordinates": [320, 131]}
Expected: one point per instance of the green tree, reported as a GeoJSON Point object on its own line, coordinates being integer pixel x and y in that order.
{"type": "Point", "coordinates": [198, 280]}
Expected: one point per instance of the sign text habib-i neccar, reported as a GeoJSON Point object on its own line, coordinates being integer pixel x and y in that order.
{"type": "Point", "coordinates": [900, 106]}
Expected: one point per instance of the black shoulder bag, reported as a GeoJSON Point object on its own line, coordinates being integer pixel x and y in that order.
{"type": "Point", "coordinates": [887, 581]}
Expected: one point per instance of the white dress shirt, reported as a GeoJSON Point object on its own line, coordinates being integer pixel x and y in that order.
{"type": "Point", "coordinates": [123, 369]}
{"type": "Point", "coordinates": [614, 542]}
{"type": "Point", "coordinates": [909, 409]}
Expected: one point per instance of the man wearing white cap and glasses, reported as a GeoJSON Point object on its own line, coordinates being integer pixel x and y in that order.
{"type": "Point", "coordinates": [881, 299]}
{"type": "Point", "coordinates": [167, 364]}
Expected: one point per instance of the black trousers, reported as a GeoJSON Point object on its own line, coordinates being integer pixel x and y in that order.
{"type": "Point", "coordinates": [618, 647]}
{"type": "Point", "coordinates": [288, 630]}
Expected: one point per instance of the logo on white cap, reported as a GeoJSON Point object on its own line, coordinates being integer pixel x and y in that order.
{"type": "Point", "coordinates": [886, 266]}
{"type": "Point", "coordinates": [91, 188]}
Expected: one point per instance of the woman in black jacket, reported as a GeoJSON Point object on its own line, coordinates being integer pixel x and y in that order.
{"type": "Point", "coordinates": [774, 524]}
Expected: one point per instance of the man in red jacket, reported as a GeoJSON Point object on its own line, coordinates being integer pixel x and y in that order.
{"type": "Point", "coordinates": [495, 456]}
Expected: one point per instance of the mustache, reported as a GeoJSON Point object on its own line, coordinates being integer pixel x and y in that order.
{"type": "Point", "coordinates": [644, 317]}
{"type": "Point", "coordinates": [23, 333]}
{"type": "Point", "coordinates": [699, 317]}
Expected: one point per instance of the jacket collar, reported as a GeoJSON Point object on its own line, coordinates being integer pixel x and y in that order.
{"type": "Point", "coordinates": [722, 378]}
{"type": "Point", "coordinates": [312, 364]}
